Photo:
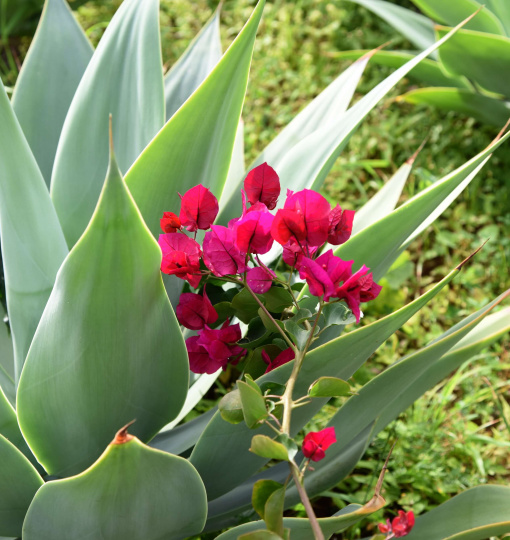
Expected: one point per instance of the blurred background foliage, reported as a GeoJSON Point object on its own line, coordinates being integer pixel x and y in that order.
{"type": "Point", "coordinates": [458, 434]}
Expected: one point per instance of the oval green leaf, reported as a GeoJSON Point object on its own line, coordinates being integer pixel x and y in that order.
{"type": "Point", "coordinates": [131, 492]}
{"type": "Point", "coordinates": [254, 405]}
{"type": "Point", "coordinates": [265, 447]}
{"type": "Point", "coordinates": [329, 387]}
{"type": "Point", "coordinates": [109, 348]}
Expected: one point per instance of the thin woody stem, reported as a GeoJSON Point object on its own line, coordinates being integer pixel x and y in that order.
{"type": "Point", "coordinates": [317, 531]}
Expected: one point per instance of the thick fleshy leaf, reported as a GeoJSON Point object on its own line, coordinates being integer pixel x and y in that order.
{"type": "Point", "coordinates": [196, 144]}
{"type": "Point", "coordinates": [6, 361]}
{"type": "Point", "coordinates": [300, 528]}
{"type": "Point", "coordinates": [49, 77]}
{"type": "Point", "coordinates": [482, 58]}
{"type": "Point", "coordinates": [475, 514]}
{"type": "Point", "coordinates": [197, 61]}
{"type": "Point", "coordinates": [327, 107]}
{"type": "Point", "coordinates": [500, 8]}
{"type": "Point", "coordinates": [223, 465]}
{"type": "Point", "coordinates": [453, 13]}
{"type": "Point", "coordinates": [131, 492]}
{"type": "Point", "coordinates": [109, 348]}
{"type": "Point", "coordinates": [484, 108]}
{"type": "Point", "coordinates": [19, 482]}
{"type": "Point", "coordinates": [125, 79]}
{"type": "Point", "coordinates": [414, 26]}
{"type": "Point", "coordinates": [427, 71]}
{"type": "Point", "coordinates": [33, 246]}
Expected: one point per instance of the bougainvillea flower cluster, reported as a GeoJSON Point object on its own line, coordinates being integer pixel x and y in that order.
{"type": "Point", "coordinates": [303, 225]}
{"type": "Point", "coordinates": [316, 443]}
{"type": "Point", "coordinates": [400, 526]}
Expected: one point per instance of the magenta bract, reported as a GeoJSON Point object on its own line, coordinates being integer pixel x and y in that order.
{"type": "Point", "coordinates": [260, 279]}
{"type": "Point", "coordinates": [262, 185]}
{"type": "Point", "coordinates": [340, 225]}
{"type": "Point", "coordinates": [253, 231]}
{"type": "Point", "coordinates": [194, 311]}
{"type": "Point", "coordinates": [221, 254]}
{"type": "Point", "coordinates": [181, 257]}
{"type": "Point", "coordinates": [283, 358]}
{"type": "Point", "coordinates": [199, 208]}
{"type": "Point", "coordinates": [316, 443]}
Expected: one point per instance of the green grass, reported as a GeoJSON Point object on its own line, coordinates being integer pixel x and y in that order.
{"type": "Point", "coordinates": [455, 436]}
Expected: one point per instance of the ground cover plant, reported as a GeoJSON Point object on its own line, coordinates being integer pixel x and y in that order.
{"type": "Point", "coordinates": [105, 218]}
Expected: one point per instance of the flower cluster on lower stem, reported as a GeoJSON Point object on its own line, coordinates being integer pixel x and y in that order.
{"type": "Point", "coordinates": [400, 526]}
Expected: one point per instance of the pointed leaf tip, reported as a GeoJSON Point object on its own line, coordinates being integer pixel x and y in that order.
{"type": "Point", "coordinates": [501, 133]}
{"type": "Point", "coordinates": [467, 259]}
{"type": "Point", "coordinates": [371, 53]}
{"type": "Point", "coordinates": [122, 436]}
{"type": "Point", "coordinates": [412, 159]}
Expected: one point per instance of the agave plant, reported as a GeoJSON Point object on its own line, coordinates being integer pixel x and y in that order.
{"type": "Point", "coordinates": [95, 343]}
{"type": "Point", "coordinates": [468, 74]}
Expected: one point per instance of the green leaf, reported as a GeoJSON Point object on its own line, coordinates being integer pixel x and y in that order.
{"type": "Point", "coordinates": [33, 245]}
{"type": "Point", "coordinates": [48, 80]}
{"type": "Point", "coordinates": [130, 492]}
{"type": "Point", "coordinates": [480, 57]}
{"type": "Point", "coordinates": [299, 334]}
{"type": "Point", "coordinates": [245, 306]}
{"type": "Point", "coordinates": [273, 511]}
{"type": "Point", "coordinates": [415, 27]}
{"type": "Point", "coordinates": [453, 13]}
{"type": "Point", "coordinates": [268, 448]}
{"type": "Point", "coordinates": [262, 490]}
{"type": "Point", "coordinates": [231, 407]}
{"type": "Point", "coordinates": [329, 387]}
{"type": "Point", "coordinates": [133, 96]}
{"type": "Point", "coordinates": [484, 108]}
{"type": "Point", "coordinates": [337, 313]}
{"type": "Point", "coordinates": [500, 8]}
{"type": "Point", "coordinates": [254, 405]}
{"type": "Point", "coordinates": [108, 348]}
{"type": "Point", "coordinates": [197, 61]}
{"type": "Point", "coordinates": [475, 514]}
{"type": "Point", "coordinates": [277, 299]}
{"type": "Point", "coordinates": [19, 482]}
{"type": "Point", "coordinates": [260, 535]}
{"type": "Point", "coordinates": [427, 71]}
{"type": "Point", "coordinates": [221, 455]}
{"type": "Point", "coordinates": [201, 135]}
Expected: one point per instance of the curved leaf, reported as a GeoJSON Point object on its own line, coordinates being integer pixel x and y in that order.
{"type": "Point", "coordinates": [33, 245]}
{"type": "Point", "coordinates": [130, 492]}
{"type": "Point", "coordinates": [484, 108]}
{"type": "Point", "coordinates": [414, 26]}
{"type": "Point", "coordinates": [19, 482]}
{"type": "Point", "coordinates": [196, 144]}
{"type": "Point", "coordinates": [125, 79]}
{"type": "Point", "coordinates": [453, 13]}
{"type": "Point", "coordinates": [221, 455]}
{"type": "Point", "coordinates": [109, 348]}
{"type": "Point", "coordinates": [480, 57]}
{"type": "Point", "coordinates": [501, 8]}
{"type": "Point", "coordinates": [50, 75]}
{"type": "Point", "coordinates": [197, 61]}
{"type": "Point", "coordinates": [478, 507]}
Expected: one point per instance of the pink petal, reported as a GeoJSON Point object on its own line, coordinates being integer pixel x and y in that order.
{"type": "Point", "coordinates": [199, 208]}
{"type": "Point", "coordinates": [259, 279]}
{"type": "Point", "coordinates": [221, 255]}
{"type": "Point", "coordinates": [262, 184]}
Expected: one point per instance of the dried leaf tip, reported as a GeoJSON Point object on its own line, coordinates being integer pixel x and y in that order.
{"type": "Point", "coordinates": [122, 435]}
{"type": "Point", "coordinates": [371, 53]}
{"type": "Point", "coordinates": [501, 133]}
{"type": "Point", "coordinates": [377, 501]}
{"type": "Point", "coordinates": [412, 159]}
{"type": "Point", "coordinates": [471, 256]}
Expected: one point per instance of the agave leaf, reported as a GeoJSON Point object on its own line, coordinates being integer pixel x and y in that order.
{"type": "Point", "coordinates": [414, 26]}
{"type": "Point", "coordinates": [300, 528]}
{"type": "Point", "coordinates": [476, 514]}
{"type": "Point", "coordinates": [427, 71]}
{"type": "Point", "coordinates": [378, 245]}
{"type": "Point", "coordinates": [109, 348]}
{"type": "Point", "coordinates": [197, 61]}
{"type": "Point", "coordinates": [196, 144]}
{"type": "Point", "coordinates": [309, 161]}
{"type": "Point", "coordinates": [6, 361]}
{"type": "Point", "coordinates": [51, 71]}
{"type": "Point", "coordinates": [131, 492]}
{"type": "Point", "coordinates": [221, 454]}
{"type": "Point", "coordinates": [453, 13]}
{"type": "Point", "coordinates": [124, 78]}
{"type": "Point", "coordinates": [382, 399]}
{"type": "Point", "coordinates": [484, 108]}
{"type": "Point", "coordinates": [19, 482]}
{"type": "Point", "coordinates": [483, 58]}
{"type": "Point", "coordinates": [33, 245]}
{"type": "Point", "coordinates": [500, 8]}
{"type": "Point", "coordinates": [326, 108]}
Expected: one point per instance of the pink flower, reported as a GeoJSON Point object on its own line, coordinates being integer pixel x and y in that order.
{"type": "Point", "coordinates": [262, 184]}
{"type": "Point", "coordinates": [260, 279]}
{"type": "Point", "coordinates": [360, 287]}
{"type": "Point", "coordinates": [401, 525]}
{"type": "Point", "coordinates": [288, 225]}
{"type": "Point", "coordinates": [316, 443]}
{"type": "Point", "coordinates": [170, 222]}
{"type": "Point", "coordinates": [285, 356]}
{"type": "Point", "coordinates": [293, 253]}
{"type": "Point", "coordinates": [315, 210]}
{"type": "Point", "coordinates": [340, 225]}
{"type": "Point", "coordinates": [214, 349]}
{"type": "Point", "coordinates": [195, 311]}
{"type": "Point", "coordinates": [337, 269]}
{"type": "Point", "coordinates": [221, 254]}
{"type": "Point", "coordinates": [317, 278]}
{"type": "Point", "coordinates": [181, 257]}
{"type": "Point", "coordinates": [253, 231]}
{"type": "Point", "coordinates": [199, 208]}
